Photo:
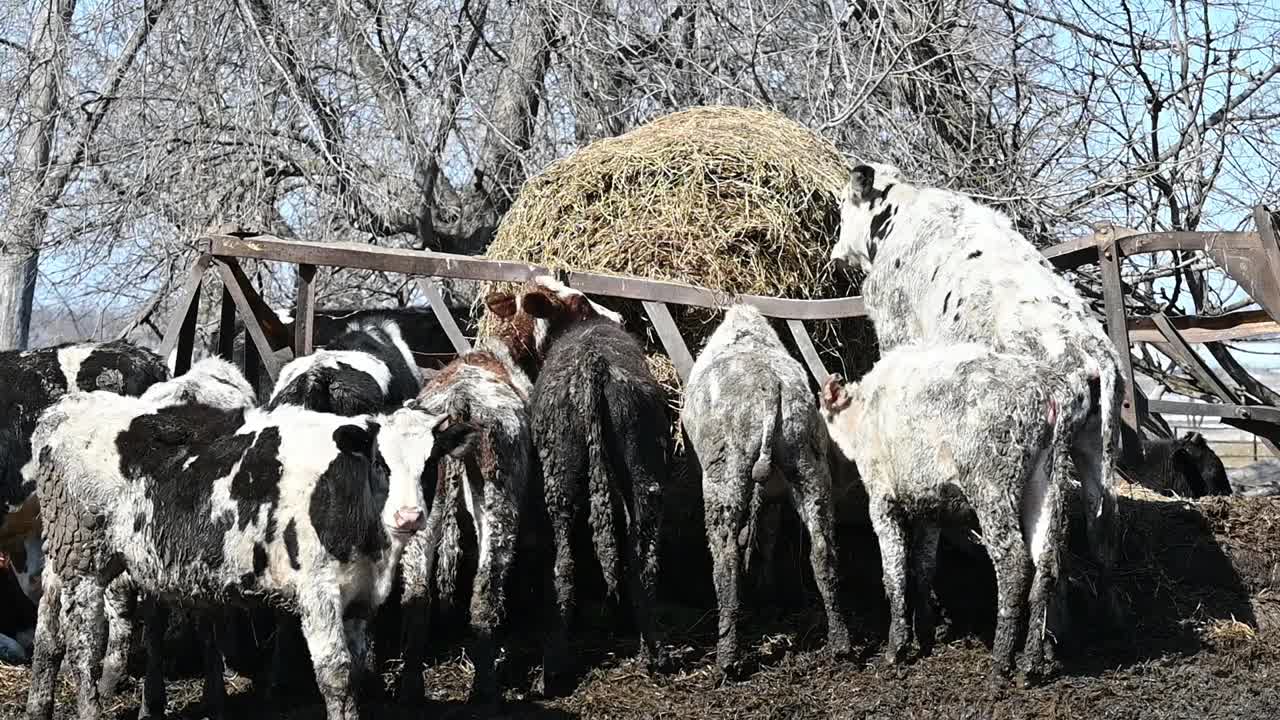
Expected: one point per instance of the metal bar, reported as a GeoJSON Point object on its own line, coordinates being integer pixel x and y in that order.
{"type": "Point", "coordinates": [1260, 413]}
{"type": "Point", "coordinates": [1113, 296]}
{"type": "Point", "coordinates": [1269, 287]}
{"type": "Point", "coordinates": [670, 336]}
{"type": "Point", "coordinates": [1202, 329]}
{"type": "Point", "coordinates": [1187, 357]}
{"type": "Point", "coordinates": [236, 284]}
{"type": "Point", "coordinates": [182, 322]}
{"type": "Point", "coordinates": [810, 353]}
{"type": "Point", "coordinates": [304, 314]}
{"type": "Point", "coordinates": [416, 262]}
{"type": "Point", "coordinates": [432, 291]}
{"type": "Point", "coordinates": [227, 328]}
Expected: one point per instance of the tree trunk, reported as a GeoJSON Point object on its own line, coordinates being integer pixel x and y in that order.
{"type": "Point", "coordinates": [511, 123]}
{"type": "Point", "coordinates": [27, 215]}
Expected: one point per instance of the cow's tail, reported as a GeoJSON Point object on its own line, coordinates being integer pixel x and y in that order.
{"type": "Point", "coordinates": [1110, 397]}
{"type": "Point", "coordinates": [600, 485]}
{"type": "Point", "coordinates": [771, 413]}
{"type": "Point", "coordinates": [761, 469]}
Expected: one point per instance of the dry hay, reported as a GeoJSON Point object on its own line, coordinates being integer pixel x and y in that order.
{"type": "Point", "coordinates": [731, 199]}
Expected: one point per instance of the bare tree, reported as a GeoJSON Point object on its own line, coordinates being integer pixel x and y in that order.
{"type": "Point", "coordinates": [38, 178]}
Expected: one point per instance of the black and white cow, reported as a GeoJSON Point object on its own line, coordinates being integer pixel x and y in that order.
{"type": "Point", "coordinates": [366, 369]}
{"type": "Point", "coordinates": [303, 510]}
{"type": "Point", "coordinates": [32, 380]}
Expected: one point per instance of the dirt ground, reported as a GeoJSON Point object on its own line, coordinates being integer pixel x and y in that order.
{"type": "Point", "coordinates": [1201, 582]}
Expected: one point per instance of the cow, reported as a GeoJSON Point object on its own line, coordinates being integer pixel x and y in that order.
{"type": "Point", "coordinates": [754, 427]}
{"type": "Point", "coordinates": [298, 509]}
{"type": "Point", "coordinates": [939, 431]}
{"type": "Point", "coordinates": [943, 268]}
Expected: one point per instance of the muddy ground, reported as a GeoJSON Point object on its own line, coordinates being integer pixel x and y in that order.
{"type": "Point", "coordinates": [1201, 583]}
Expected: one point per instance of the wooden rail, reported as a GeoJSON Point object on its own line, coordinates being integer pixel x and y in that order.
{"type": "Point", "coordinates": [1251, 258]}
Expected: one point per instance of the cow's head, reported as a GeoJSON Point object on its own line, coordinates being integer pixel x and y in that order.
{"type": "Point", "coordinates": [410, 441]}
{"type": "Point", "coordinates": [515, 328]}
{"type": "Point", "coordinates": [866, 213]}
{"type": "Point", "coordinates": [555, 306]}
{"type": "Point", "coordinates": [1200, 466]}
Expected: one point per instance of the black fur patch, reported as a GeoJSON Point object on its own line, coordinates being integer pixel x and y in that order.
{"type": "Point", "coordinates": [257, 483]}
{"type": "Point", "coordinates": [341, 390]}
{"type": "Point", "coordinates": [344, 507]}
{"type": "Point", "coordinates": [291, 544]}
{"type": "Point", "coordinates": [139, 522]}
{"type": "Point", "coordinates": [32, 381]}
{"type": "Point", "coordinates": [946, 302]}
{"type": "Point", "coordinates": [871, 251]}
{"type": "Point", "coordinates": [955, 318]}
{"type": "Point", "coordinates": [974, 255]}
{"type": "Point", "coordinates": [376, 342]}
{"type": "Point", "coordinates": [259, 559]}
{"type": "Point", "coordinates": [882, 222]}
{"type": "Point", "coordinates": [179, 452]}
{"type": "Point", "coordinates": [121, 367]}
{"type": "Point", "coordinates": [934, 276]}
{"type": "Point", "coordinates": [897, 263]}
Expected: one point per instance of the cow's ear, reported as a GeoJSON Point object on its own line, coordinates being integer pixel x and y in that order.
{"type": "Point", "coordinates": [452, 438]}
{"type": "Point", "coordinates": [501, 304]}
{"type": "Point", "coordinates": [538, 304]}
{"type": "Point", "coordinates": [357, 439]}
{"type": "Point", "coordinates": [862, 183]}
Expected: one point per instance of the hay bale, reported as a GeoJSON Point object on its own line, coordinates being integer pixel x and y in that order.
{"type": "Point", "coordinates": [732, 199]}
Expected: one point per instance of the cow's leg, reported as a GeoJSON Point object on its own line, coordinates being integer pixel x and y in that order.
{"type": "Point", "coordinates": [155, 618]}
{"type": "Point", "coordinates": [215, 692]}
{"type": "Point", "coordinates": [892, 535]}
{"type": "Point", "coordinates": [1089, 461]}
{"type": "Point", "coordinates": [86, 626]}
{"type": "Point", "coordinates": [322, 626]}
{"type": "Point", "coordinates": [924, 565]}
{"type": "Point", "coordinates": [121, 609]}
{"type": "Point", "coordinates": [495, 512]}
{"type": "Point", "coordinates": [1003, 537]}
{"type": "Point", "coordinates": [648, 464]}
{"type": "Point", "coordinates": [46, 658]}
{"type": "Point", "coordinates": [419, 566]}
{"type": "Point", "coordinates": [726, 492]}
{"type": "Point", "coordinates": [1038, 652]}
{"type": "Point", "coordinates": [810, 492]}
{"type": "Point", "coordinates": [556, 670]}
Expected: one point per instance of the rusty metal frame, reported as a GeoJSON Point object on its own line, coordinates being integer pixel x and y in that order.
{"type": "Point", "coordinates": [1250, 258]}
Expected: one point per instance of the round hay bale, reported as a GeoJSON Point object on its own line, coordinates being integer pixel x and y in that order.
{"type": "Point", "coordinates": [728, 198]}
{"type": "Point", "coordinates": [732, 199]}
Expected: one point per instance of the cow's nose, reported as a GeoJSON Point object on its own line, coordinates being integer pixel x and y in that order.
{"type": "Point", "coordinates": [409, 519]}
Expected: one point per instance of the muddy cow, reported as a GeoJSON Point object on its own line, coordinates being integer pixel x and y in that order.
{"type": "Point", "coordinates": [302, 510]}
{"type": "Point", "coordinates": [937, 431]}
{"type": "Point", "coordinates": [755, 429]}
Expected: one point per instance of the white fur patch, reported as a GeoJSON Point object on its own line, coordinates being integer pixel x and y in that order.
{"type": "Point", "coordinates": [1035, 512]}
{"type": "Point", "coordinates": [364, 362]}
{"type": "Point", "coordinates": [212, 381]}
{"type": "Point", "coordinates": [70, 359]}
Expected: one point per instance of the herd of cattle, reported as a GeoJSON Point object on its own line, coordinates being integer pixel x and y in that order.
{"type": "Point", "coordinates": [995, 394]}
